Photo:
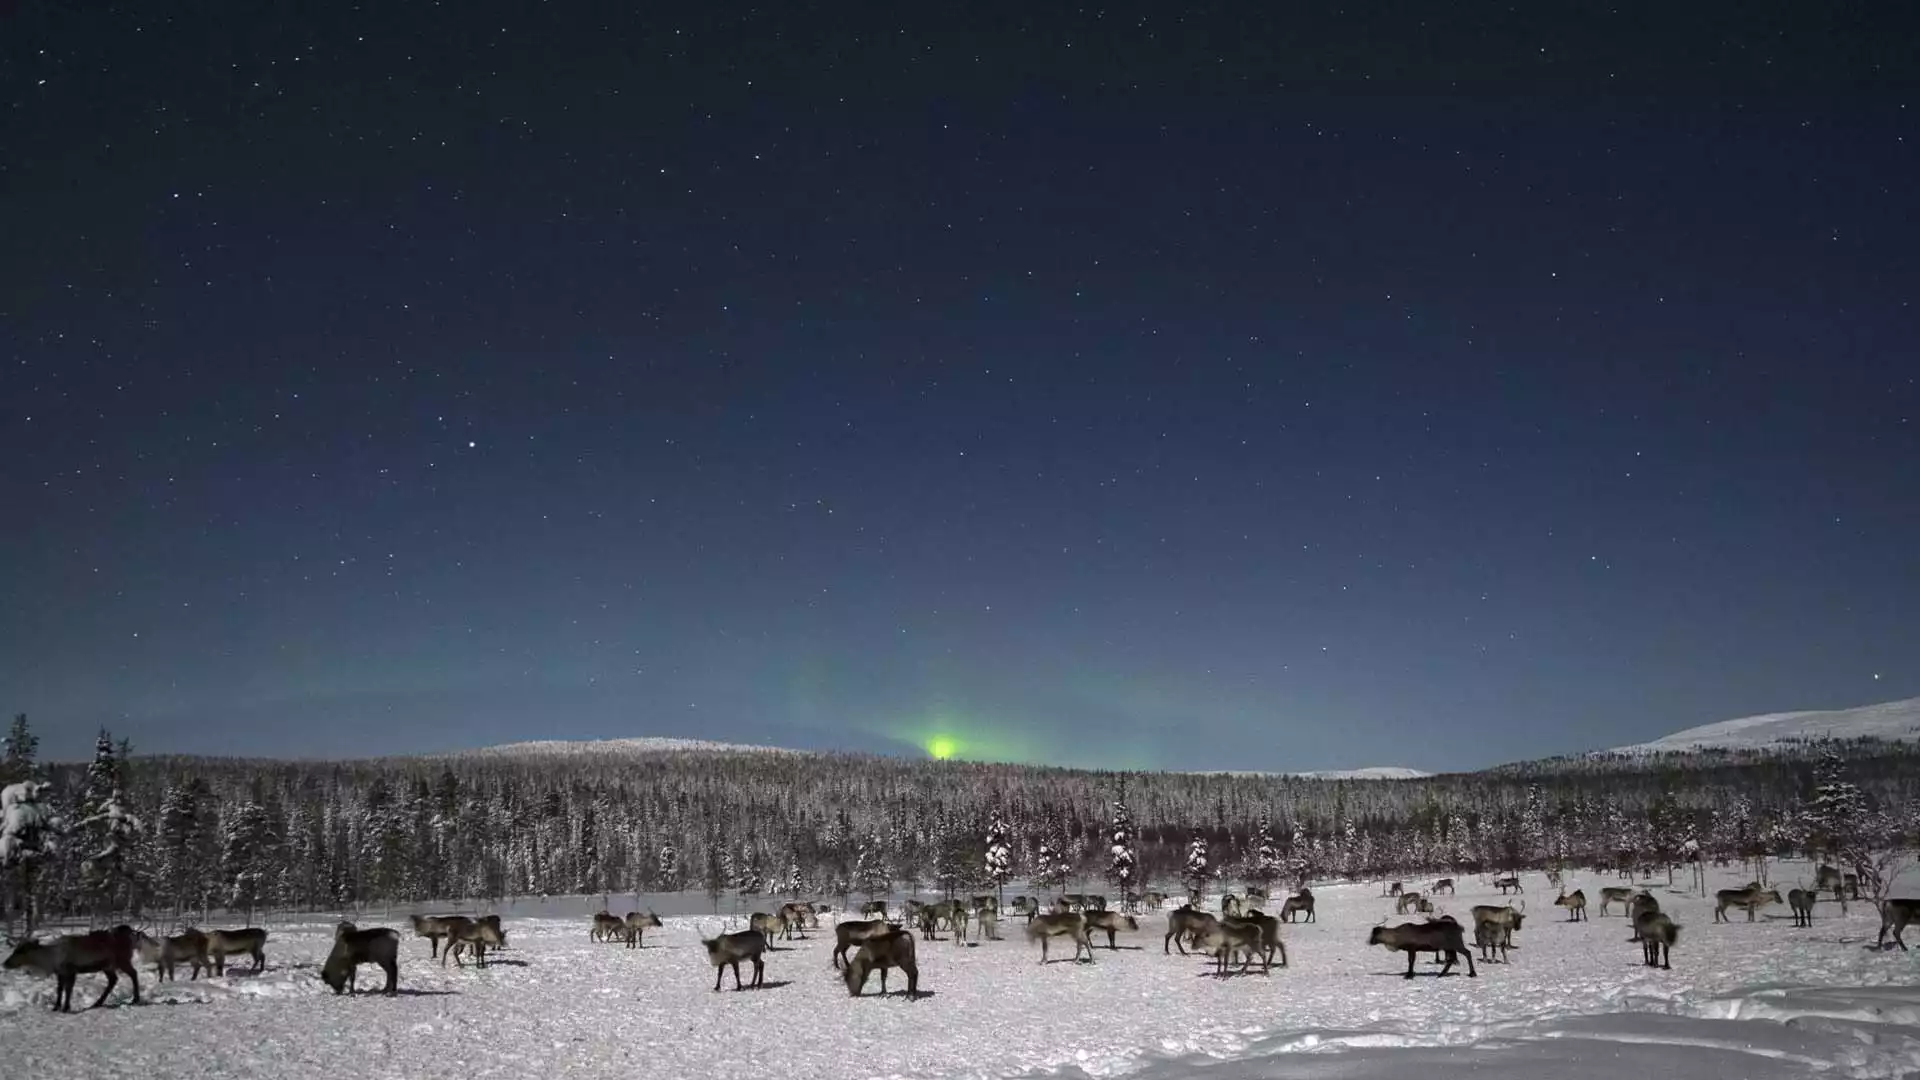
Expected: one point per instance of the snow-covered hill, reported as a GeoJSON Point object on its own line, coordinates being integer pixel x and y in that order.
{"type": "Point", "coordinates": [617, 748]}
{"type": "Point", "coordinates": [1371, 772]}
{"type": "Point", "coordinates": [1891, 720]}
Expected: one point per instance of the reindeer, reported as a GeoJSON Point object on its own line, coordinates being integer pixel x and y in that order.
{"type": "Point", "coordinates": [795, 918]}
{"type": "Point", "coordinates": [730, 949]}
{"type": "Point", "coordinates": [433, 928]}
{"type": "Point", "coordinates": [1025, 905]}
{"type": "Point", "coordinates": [986, 902]}
{"type": "Point", "coordinates": [1096, 902]}
{"type": "Point", "coordinates": [1444, 885]}
{"type": "Point", "coordinates": [475, 936]}
{"type": "Point", "coordinates": [767, 923]}
{"type": "Point", "coordinates": [1266, 941]}
{"type": "Point", "coordinates": [1112, 922]}
{"type": "Point", "coordinates": [636, 925]}
{"type": "Point", "coordinates": [1394, 889]}
{"type": "Point", "coordinates": [875, 908]}
{"type": "Point", "coordinates": [353, 947]}
{"type": "Point", "coordinates": [109, 952]}
{"type": "Point", "coordinates": [1555, 879]}
{"type": "Point", "coordinates": [1642, 904]}
{"type": "Point", "coordinates": [1829, 879]}
{"type": "Point", "coordinates": [251, 942]}
{"type": "Point", "coordinates": [1895, 915]}
{"type": "Point", "coordinates": [1405, 903]}
{"type": "Point", "coordinates": [1260, 893]}
{"type": "Point", "coordinates": [889, 950]}
{"type": "Point", "coordinates": [189, 945]}
{"type": "Point", "coordinates": [1297, 904]}
{"type": "Point", "coordinates": [1850, 886]}
{"type": "Point", "coordinates": [1509, 883]}
{"type": "Point", "coordinates": [1753, 898]}
{"type": "Point", "coordinates": [1186, 924]}
{"type": "Point", "coordinates": [1229, 905]}
{"type": "Point", "coordinates": [1440, 936]}
{"type": "Point", "coordinates": [1575, 903]}
{"type": "Point", "coordinates": [1072, 924]}
{"type": "Point", "coordinates": [1155, 899]}
{"type": "Point", "coordinates": [846, 935]}
{"type": "Point", "coordinates": [1500, 923]}
{"type": "Point", "coordinates": [606, 926]}
{"type": "Point", "coordinates": [1801, 901]}
{"type": "Point", "coordinates": [1074, 901]}
{"type": "Point", "coordinates": [988, 922]}
{"type": "Point", "coordinates": [1615, 894]}
{"type": "Point", "coordinates": [1656, 933]}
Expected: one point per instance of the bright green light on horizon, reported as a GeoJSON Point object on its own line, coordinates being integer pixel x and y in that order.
{"type": "Point", "coordinates": [942, 747]}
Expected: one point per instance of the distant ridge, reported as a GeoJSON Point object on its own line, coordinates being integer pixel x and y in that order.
{"type": "Point", "coordinates": [1371, 772]}
{"type": "Point", "coordinates": [637, 747]}
{"type": "Point", "coordinates": [1890, 720]}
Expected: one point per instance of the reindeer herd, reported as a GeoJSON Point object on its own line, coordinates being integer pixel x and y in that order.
{"type": "Point", "coordinates": [875, 942]}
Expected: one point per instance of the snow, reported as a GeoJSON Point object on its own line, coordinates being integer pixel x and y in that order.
{"type": "Point", "coordinates": [1744, 1000]}
{"type": "Point", "coordinates": [617, 748]}
{"type": "Point", "coordinates": [1891, 720]}
{"type": "Point", "coordinates": [1369, 772]}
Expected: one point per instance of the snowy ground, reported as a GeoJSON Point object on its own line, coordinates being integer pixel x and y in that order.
{"type": "Point", "coordinates": [1744, 1000]}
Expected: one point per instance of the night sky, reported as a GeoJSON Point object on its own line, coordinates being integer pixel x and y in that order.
{"type": "Point", "coordinates": [1264, 387]}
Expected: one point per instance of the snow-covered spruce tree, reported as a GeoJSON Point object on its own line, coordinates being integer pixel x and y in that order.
{"type": "Point", "coordinates": [247, 857]}
{"type": "Point", "coordinates": [667, 875]}
{"type": "Point", "coordinates": [1123, 862]}
{"type": "Point", "coordinates": [112, 872]}
{"type": "Point", "coordinates": [870, 868]}
{"type": "Point", "coordinates": [999, 861]}
{"type": "Point", "coordinates": [1299, 856]}
{"type": "Point", "coordinates": [101, 859]}
{"type": "Point", "coordinates": [17, 753]}
{"type": "Point", "coordinates": [29, 836]}
{"type": "Point", "coordinates": [1264, 867]}
{"type": "Point", "coordinates": [1048, 870]}
{"type": "Point", "coordinates": [182, 841]}
{"type": "Point", "coordinates": [1198, 872]}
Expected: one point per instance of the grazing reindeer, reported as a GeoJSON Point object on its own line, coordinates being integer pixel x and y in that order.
{"type": "Point", "coordinates": [1268, 943]}
{"type": "Point", "coordinates": [929, 923]}
{"type": "Point", "coordinates": [1405, 903]}
{"type": "Point", "coordinates": [1112, 922]}
{"type": "Point", "coordinates": [1509, 883]}
{"type": "Point", "coordinates": [1300, 903]}
{"type": "Point", "coordinates": [1026, 905]}
{"type": "Point", "coordinates": [1575, 902]}
{"type": "Point", "coordinates": [251, 941]}
{"type": "Point", "coordinates": [1752, 898]}
{"type": "Point", "coordinates": [1442, 936]}
{"type": "Point", "coordinates": [875, 908]}
{"type": "Point", "coordinates": [433, 928]}
{"type": "Point", "coordinates": [1231, 936]}
{"type": "Point", "coordinates": [846, 935]}
{"type": "Point", "coordinates": [606, 926]}
{"type": "Point", "coordinates": [476, 937]}
{"type": "Point", "coordinates": [1642, 904]}
{"type": "Point", "coordinates": [1801, 901]}
{"type": "Point", "coordinates": [795, 918]}
{"type": "Point", "coordinates": [1895, 915]}
{"type": "Point", "coordinates": [1829, 879]}
{"type": "Point", "coordinates": [1229, 905]}
{"type": "Point", "coordinates": [768, 924]}
{"type": "Point", "coordinates": [353, 947]}
{"type": "Point", "coordinates": [109, 952]}
{"type": "Point", "coordinates": [1074, 901]}
{"type": "Point", "coordinates": [1500, 923]}
{"type": "Point", "coordinates": [1444, 885]}
{"type": "Point", "coordinates": [189, 945]}
{"type": "Point", "coordinates": [1096, 902]}
{"type": "Point", "coordinates": [637, 923]}
{"type": "Point", "coordinates": [1657, 933]}
{"type": "Point", "coordinates": [989, 923]}
{"type": "Point", "coordinates": [986, 902]}
{"type": "Point", "coordinates": [1394, 889]}
{"type": "Point", "coordinates": [1555, 879]}
{"type": "Point", "coordinates": [893, 949]}
{"type": "Point", "coordinates": [1072, 924]}
{"type": "Point", "coordinates": [730, 949]}
{"type": "Point", "coordinates": [1186, 925]}
{"type": "Point", "coordinates": [1615, 894]}
{"type": "Point", "coordinates": [1156, 899]}
{"type": "Point", "coordinates": [1260, 893]}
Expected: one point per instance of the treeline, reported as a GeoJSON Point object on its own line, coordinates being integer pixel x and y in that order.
{"type": "Point", "coordinates": [174, 834]}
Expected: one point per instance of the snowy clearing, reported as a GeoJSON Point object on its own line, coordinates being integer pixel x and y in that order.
{"type": "Point", "coordinates": [1758, 999]}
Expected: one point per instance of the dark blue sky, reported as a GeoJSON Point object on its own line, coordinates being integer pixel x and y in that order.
{"type": "Point", "coordinates": [1253, 388]}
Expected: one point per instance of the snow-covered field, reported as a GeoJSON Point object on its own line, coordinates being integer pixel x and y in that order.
{"type": "Point", "coordinates": [1744, 1000]}
{"type": "Point", "coordinates": [1890, 720]}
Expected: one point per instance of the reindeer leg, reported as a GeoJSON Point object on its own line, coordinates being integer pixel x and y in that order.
{"type": "Point", "coordinates": [112, 979]}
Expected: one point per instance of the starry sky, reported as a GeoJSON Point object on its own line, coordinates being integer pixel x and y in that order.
{"type": "Point", "coordinates": [1220, 385]}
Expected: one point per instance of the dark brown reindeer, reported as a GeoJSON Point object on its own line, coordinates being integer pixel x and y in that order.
{"type": "Point", "coordinates": [893, 949]}
{"type": "Point", "coordinates": [352, 947]}
{"type": "Point", "coordinates": [1576, 904]}
{"type": "Point", "coordinates": [1752, 898]}
{"type": "Point", "coordinates": [730, 949]}
{"type": "Point", "coordinates": [1801, 901]}
{"type": "Point", "coordinates": [433, 928]}
{"type": "Point", "coordinates": [1300, 903]}
{"type": "Point", "coordinates": [847, 935]}
{"type": "Point", "coordinates": [1657, 935]}
{"type": "Point", "coordinates": [637, 924]}
{"type": "Point", "coordinates": [1499, 923]}
{"type": "Point", "coordinates": [1184, 925]}
{"type": "Point", "coordinates": [189, 946]}
{"type": "Point", "coordinates": [1441, 936]}
{"type": "Point", "coordinates": [1110, 921]}
{"type": "Point", "coordinates": [1897, 914]}
{"type": "Point", "coordinates": [1073, 925]}
{"type": "Point", "coordinates": [1615, 894]}
{"type": "Point", "coordinates": [108, 952]}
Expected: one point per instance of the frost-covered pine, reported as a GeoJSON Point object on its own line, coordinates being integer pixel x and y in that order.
{"type": "Point", "coordinates": [668, 876]}
{"type": "Point", "coordinates": [1265, 866]}
{"type": "Point", "coordinates": [999, 861]}
{"type": "Point", "coordinates": [870, 874]}
{"type": "Point", "coordinates": [1123, 863]}
{"type": "Point", "coordinates": [1299, 856]}
{"type": "Point", "coordinates": [1049, 871]}
{"type": "Point", "coordinates": [1836, 812]}
{"type": "Point", "coordinates": [17, 752]}
{"type": "Point", "coordinates": [1198, 872]}
{"type": "Point", "coordinates": [111, 871]}
{"type": "Point", "coordinates": [246, 856]}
